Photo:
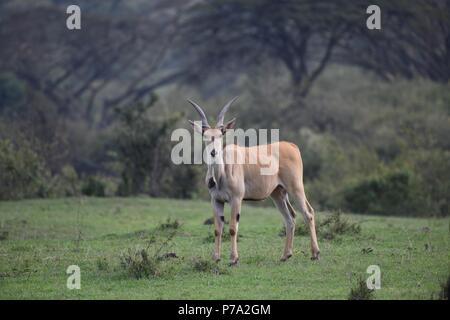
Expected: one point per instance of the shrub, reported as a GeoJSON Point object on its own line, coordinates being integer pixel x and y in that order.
{"type": "Point", "coordinates": [102, 264]}
{"type": "Point", "coordinates": [392, 193]}
{"type": "Point", "coordinates": [433, 167]}
{"type": "Point", "coordinates": [300, 230]}
{"type": "Point", "coordinates": [335, 225]}
{"type": "Point", "coordinates": [184, 182]}
{"type": "Point", "coordinates": [207, 265]}
{"type": "Point", "coordinates": [328, 228]}
{"type": "Point", "coordinates": [23, 173]}
{"type": "Point", "coordinates": [4, 235]}
{"type": "Point", "coordinates": [170, 224]}
{"type": "Point", "coordinates": [142, 149]}
{"type": "Point", "coordinates": [93, 187]}
{"type": "Point", "coordinates": [66, 183]}
{"type": "Point", "coordinates": [360, 291]}
{"type": "Point", "coordinates": [12, 91]}
{"type": "Point", "coordinates": [140, 262]}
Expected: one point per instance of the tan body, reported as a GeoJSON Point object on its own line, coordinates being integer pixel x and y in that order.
{"type": "Point", "coordinates": [234, 181]}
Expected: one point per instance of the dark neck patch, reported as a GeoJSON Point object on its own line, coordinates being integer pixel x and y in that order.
{"type": "Point", "coordinates": [211, 183]}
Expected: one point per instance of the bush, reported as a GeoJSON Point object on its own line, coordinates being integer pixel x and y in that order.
{"type": "Point", "coordinates": [393, 193]}
{"type": "Point", "coordinates": [360, 291]}
{"type": "Point", "coordinates": [169, 224]}
{"type": "Point", "coordinates": [93, 187]}
{"type": "Point", "coordinates": [207, 265]}
{"type": "Point", "coordinates": [300, 229]}
{"type": "Point", "coordinates": [139, 264]}
{"type": "Point", "coordinates": [335, 225]}
{"type": "Point", "coordinates": [433, 167]}
{"type": "Point", "coordinates": [12, 91]}
{"type": "Point", "coordinates": [143, 152]}
{"type": "Point", "coordinates": [66, 183]}
{"type": "Point", "coordinates": [146, 261]}
{"type": "Point", "coordinates": [102, 264]}
{"type": "Point", "coordinates": [23, 174]}
{"type": "Point", "coordinates": [142, 149]}
{"type": "Point", "coordinates": [328, 228]}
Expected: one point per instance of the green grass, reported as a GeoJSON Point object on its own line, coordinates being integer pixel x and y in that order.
{"type": "Point", "coordinates": [41, 238]}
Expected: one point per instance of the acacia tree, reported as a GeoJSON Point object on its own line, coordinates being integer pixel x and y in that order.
{"type": "Point", "coordinates": [307, 35]}
{"type": "Point", "coordinates": [414, 41]}
{"type": "Point", "coordinates": [112, 62]}
{"type": "Point", "coordinates": [302, 35]}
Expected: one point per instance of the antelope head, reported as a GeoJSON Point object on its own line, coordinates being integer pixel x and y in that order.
{"type": "Point", "coordinates": [213, 136]}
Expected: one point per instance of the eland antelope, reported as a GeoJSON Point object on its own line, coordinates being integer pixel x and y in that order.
{"type": "Point", "coordinates": [233, 182]}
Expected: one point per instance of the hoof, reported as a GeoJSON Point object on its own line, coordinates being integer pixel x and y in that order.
{"type": "Point", "coordinates": [316, 256]}
{"type": "Point", "coordinates": [285, 258]}
{"type": "Point", "coordinates": [233, 262]}
{"type": "Point", "coordinates": [216, 258]}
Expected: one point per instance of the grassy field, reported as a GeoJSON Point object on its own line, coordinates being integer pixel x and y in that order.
{"type": "Point", "coordinates": [41, 238]}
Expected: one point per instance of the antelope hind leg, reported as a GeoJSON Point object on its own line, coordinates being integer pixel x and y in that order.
{"type": "Point", "coordinates": [281, 200]}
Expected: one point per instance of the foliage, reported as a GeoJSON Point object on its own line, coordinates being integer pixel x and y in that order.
{"type": "Point", "coordinates": [328, 228]}
{"type": "Point", "coordinates": [22, 172]}
{"type": "Point", "coordinates": [143, 150]}
{"type": "Point", "coordinates": [422, 25]}
{"type": "Point", "coordinates": [102, 264]}
{"type": "Point", "coordinates": [66, 183]}
{"type": "Point", "coordinates": [92, 120]}
{"type": "Point", "coordinates": [169, 224]}
{"type": "Point", "coordinates": [12, 92]}
{"type": "Point", "coordinates": [93, 187]}
{"type": "Point", "coordinates": [200, 264]}
{"type": "Point", "coordinates": [306, 37]}
{"type": "Point", "coordinates": [393, 192]}
{"type": "Point", "coordinates": [79, 74]}
{"type": "Point", "coordinates": [145, 262]}
{"type": "Point", "coordinates": [336, 224]}
{"type": "Point", "coordinates": [360, 291]}
{"type": "Point", "coordinates": [139, 264]}
{"type": "Point", "coordinates": [433, 166]}
{"type": "Point", "coordinates": [350, 147]}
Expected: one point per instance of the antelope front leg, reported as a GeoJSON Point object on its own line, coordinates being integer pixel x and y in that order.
{"type": "Point", "coordinates": [234, 225]}
{"type": "Point", "coordinates": [218, 227]}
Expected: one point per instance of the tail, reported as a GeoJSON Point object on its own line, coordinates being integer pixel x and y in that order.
{"type": "Point", "coordinates": [291, 208]}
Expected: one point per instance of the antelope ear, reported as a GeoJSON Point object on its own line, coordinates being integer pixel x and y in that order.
{"type": "Point", "coordinates": [197, 125]}
{"type": "Point", "coordinates": [229, 125]}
